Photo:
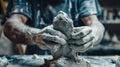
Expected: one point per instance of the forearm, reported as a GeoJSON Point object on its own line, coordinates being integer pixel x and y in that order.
{"type": "Point", "coordinates": [16, 30]}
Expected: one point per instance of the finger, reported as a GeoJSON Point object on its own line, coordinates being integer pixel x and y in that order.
{"type": "Point", "coordinates": [82, 48]}
{"type": "Point", "coordinates": [81, 33]}
{"type": "Point", "coordinates": [56, 33]}
{"type": "Point", "coordinates": [77, 29]}
{"type": "Point", "coordinates": [82, 40]}
{"type": "Point", "coordinates": [53, 39]}
{"type": "Point", "coordinates": [44, 44]}
{"type": "Point", "coordinates": [39, 41]}
{"type": "Point", "coordinates": [51, 45]}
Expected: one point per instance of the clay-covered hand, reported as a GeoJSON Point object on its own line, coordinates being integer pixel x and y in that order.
{"type": "Point", "coordinates": [48, 38]}
{"type": "Point", "coordinates": [84, 37]}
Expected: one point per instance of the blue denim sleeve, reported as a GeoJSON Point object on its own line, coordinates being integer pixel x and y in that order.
{"type": "Point", "coordinates": [88, 7]}
{"type": "Point", "coordinates": [22, 7]}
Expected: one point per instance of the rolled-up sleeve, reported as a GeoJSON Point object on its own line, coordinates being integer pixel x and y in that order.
{"type": "Point", "coordinates": [22, 7]}
{"type": "Point", "coordinates": [88, 7]}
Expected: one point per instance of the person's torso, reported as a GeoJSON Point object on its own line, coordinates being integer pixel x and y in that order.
{"type": "Point", "coordinates": [45, 11]}
{"type": "Point", "coordinates": [42, 12]}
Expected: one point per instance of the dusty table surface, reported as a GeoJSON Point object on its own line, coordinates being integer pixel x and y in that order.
{"type": "Point", "coordinates": [37, 60]}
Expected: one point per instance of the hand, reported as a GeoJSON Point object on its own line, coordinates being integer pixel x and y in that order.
{"type": "Point", "coordinates": [49, 38]}
{"type": "Point", "coordinates": [83, 38]}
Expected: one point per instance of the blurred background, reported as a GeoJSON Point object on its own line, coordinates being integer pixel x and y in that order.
{"type": "Point", "coordinates": [110, 18]}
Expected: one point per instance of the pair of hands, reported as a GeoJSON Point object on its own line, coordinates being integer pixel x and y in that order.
{"type": "Point", "coordinates": [63, 32]}
{"type": "Point", "coordinates": [81, 39]}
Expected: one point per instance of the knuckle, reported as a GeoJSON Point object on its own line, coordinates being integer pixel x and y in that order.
{"type": "Point", "coordinates": [82, 33]}
{"type": "Point", "coordinates": [83, 40]}
{"type": "Point", "coordinates": [92, 37]}
{"type": "Point", "coordinates": [86, 45]}
{"type": "Point", "coordinates": [47, 30]}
